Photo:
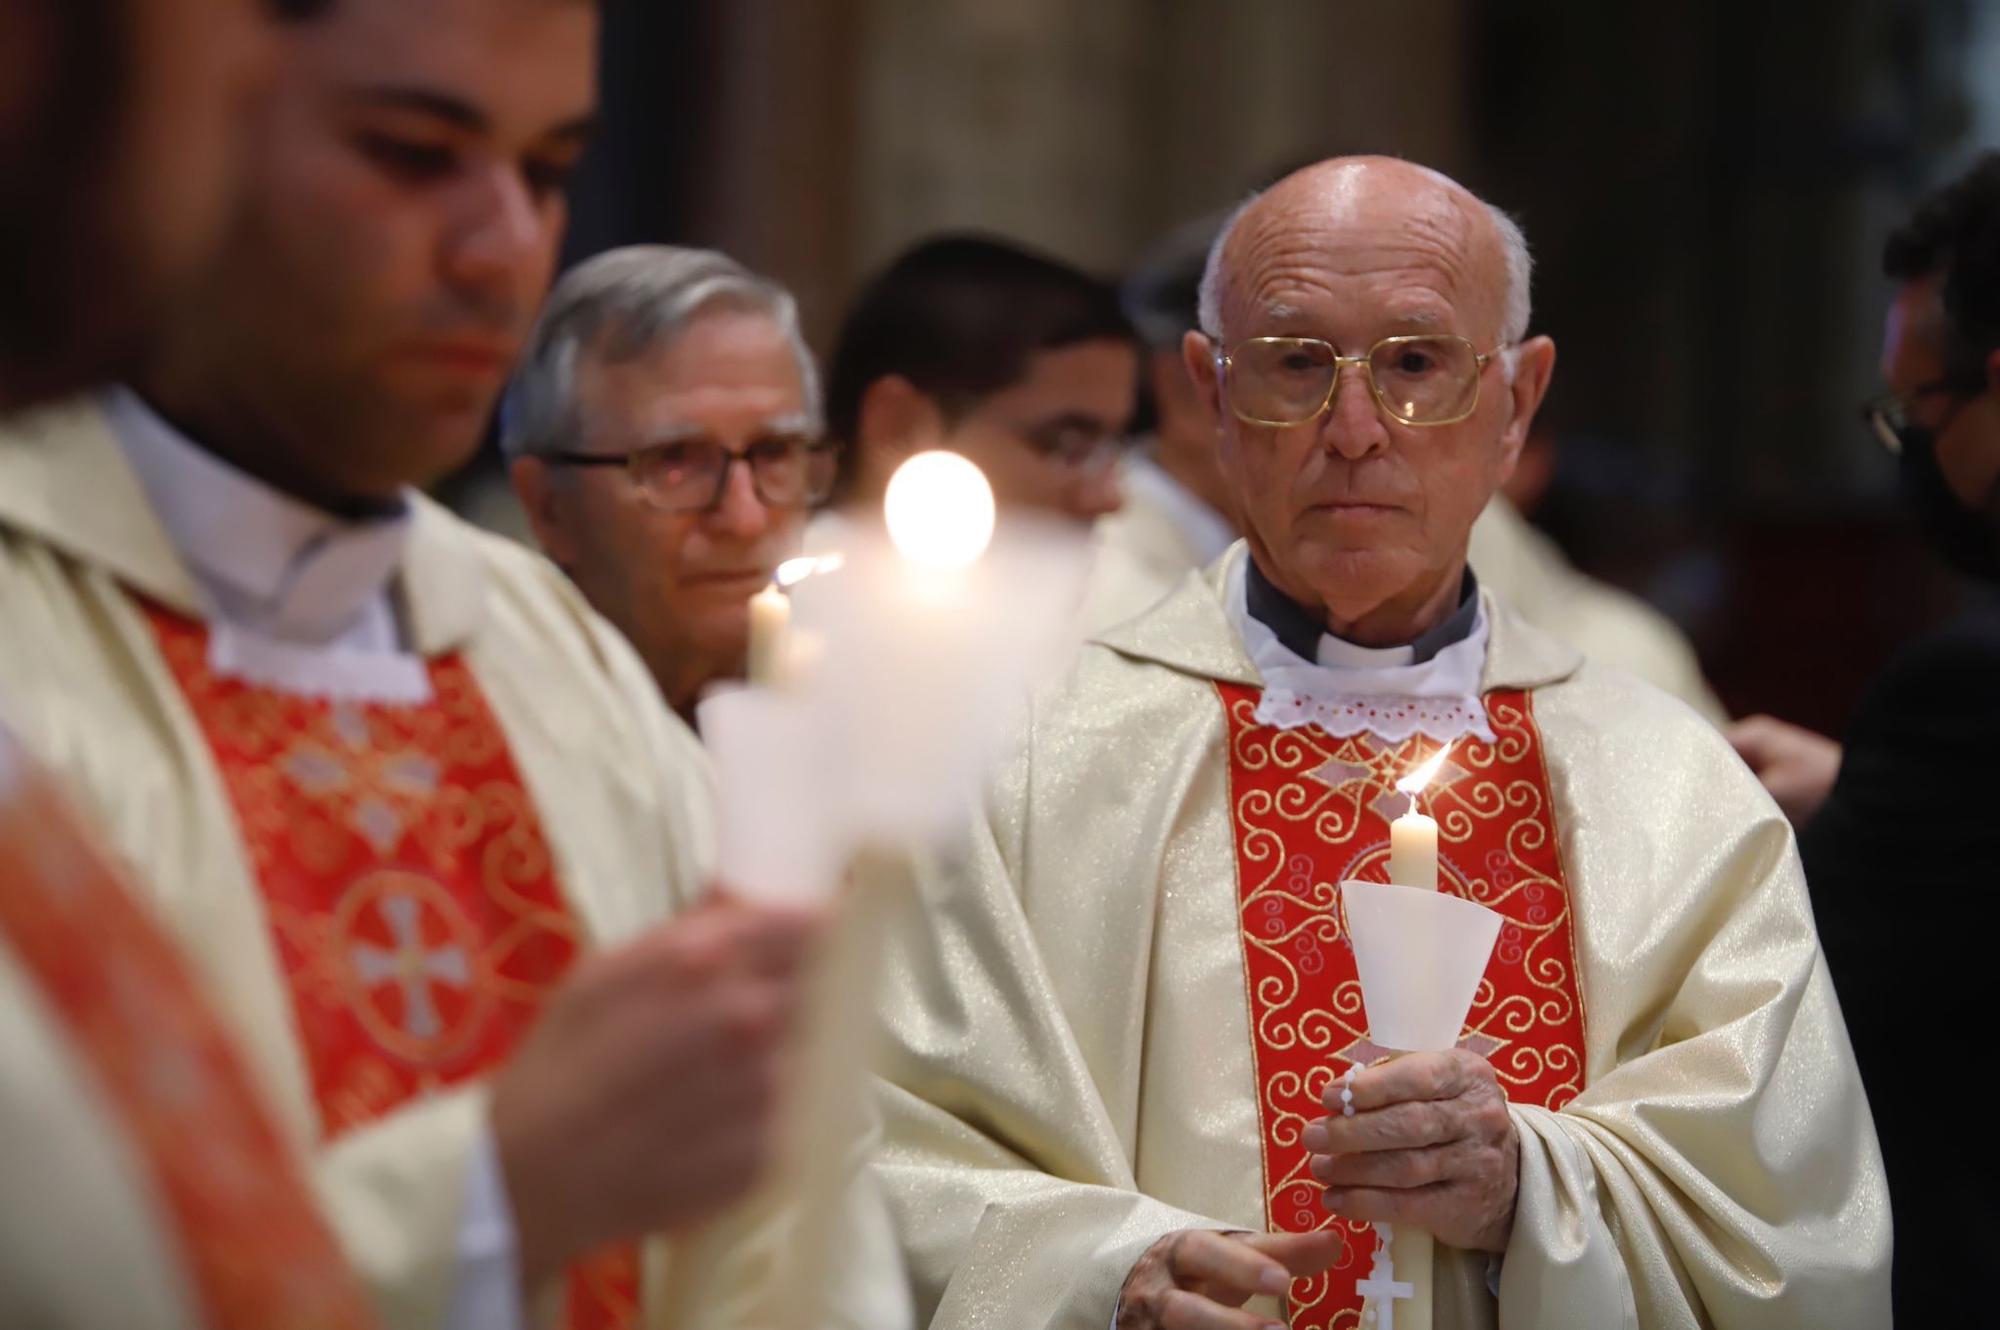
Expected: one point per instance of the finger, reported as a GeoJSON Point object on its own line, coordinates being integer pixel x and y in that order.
{"type": "Point", "coordinates": [685, 951]}
{"type": "Point", "coordinates": [1227, 1263]}
{"type": "Point", "coordinates": [1751, 738]}
{"type": "Point", "coordinates": [1182, 1310]}
{"type": "Point", "coordinates": [1304, 1254]}
{"type": "Point", "coordinates": [1415, 1076]}
{"type": "Point", "coordinates": [1401, 1169]}
{"type": "Point", "coordinates": [765, 939]}
{"type": "Point", "coordinates": [1407, 1126]}
{"type": "Point", "coordinates": [1380, 1205]}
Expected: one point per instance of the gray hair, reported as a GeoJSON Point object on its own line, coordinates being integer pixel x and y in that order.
{"type": "Point", "coordinates": [1513, 246]}
{"type": "Point", "coordinates": [617, 306]}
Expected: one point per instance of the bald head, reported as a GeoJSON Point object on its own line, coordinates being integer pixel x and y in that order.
{"type": "Point", "coordinates": [1359, 509]}
{"type": "Point", "coordinates": [1381, 211]}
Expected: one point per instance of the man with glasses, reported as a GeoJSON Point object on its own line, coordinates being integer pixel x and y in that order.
{"type": "Point", "coordinates": [1022, 363]}
{"type": "Point", "coordinates": [1908, 919]}
{"type": "Point", "coordinates": [418, 816]}
{"type": "Point", "coordinates": [664, 435]}
{"type": "Point", "coordinates": [1131, 1076]}
{"type": "Point", "coordinates": [1175, 520]}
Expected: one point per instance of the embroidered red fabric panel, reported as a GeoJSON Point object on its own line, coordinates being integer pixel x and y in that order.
{"type": "Point", "coordinates": [1311, 811]}
{"type": "Point", "coordinates": [411, 895]}
{"type": "Point", "coordinates": [252, 1244]}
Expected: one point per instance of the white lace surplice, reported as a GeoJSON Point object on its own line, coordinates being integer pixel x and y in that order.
{"type": "Point", "coordinates": [1438, 698]}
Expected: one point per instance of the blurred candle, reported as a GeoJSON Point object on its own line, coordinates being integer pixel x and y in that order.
{"type": "Point", "coordinates": [770, 618]}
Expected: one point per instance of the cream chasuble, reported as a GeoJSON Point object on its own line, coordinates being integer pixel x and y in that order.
{"type": "Point", "coordinates": [1143, 550]}
{"type": "Point", "coordinates": [1084, 1059]}
{"type": "Point", "coordinates": [145, 1184]}
{"type": "Point", "coordinates": [96, 598]}
{"type": "Point", "coordinates": [1614, 628]}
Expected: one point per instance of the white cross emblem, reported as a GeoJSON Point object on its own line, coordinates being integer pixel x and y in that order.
{"type": "Point", "coordinates": [1382, 1287]}
{"type": "Point", "coordinates": [411, 965]}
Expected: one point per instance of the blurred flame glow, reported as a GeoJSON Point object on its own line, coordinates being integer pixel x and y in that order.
{"type": "Point", "coordinates": [794, 571]}
{"type": "Point", "coordinates": [939, 510]}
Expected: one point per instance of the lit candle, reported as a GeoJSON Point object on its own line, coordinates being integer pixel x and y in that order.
{"type": "Point", "coordinates": [770, 619]}
{"type": "Point", "coordinates": [1413, 837]}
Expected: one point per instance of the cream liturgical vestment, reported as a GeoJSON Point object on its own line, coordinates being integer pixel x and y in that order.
{"type": "Point", "coordinates": [1131, 984]}
{"type": "Point", "coordinates": [1526, 569]}
{"type": "Point", "coordinates": [145, 1185]}
{"type": "Point", "coordinates": [1162, 532]}
{"type": "Point", "coordinates": [377, 893]}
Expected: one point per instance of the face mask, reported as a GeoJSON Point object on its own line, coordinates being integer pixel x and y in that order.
{"type": "Point", "coordinates": [1968, 539]}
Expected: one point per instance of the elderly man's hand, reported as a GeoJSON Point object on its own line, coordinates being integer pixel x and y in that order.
{"type": "Point", "coordinates": [1796, 765]}
{"type": "Point", "coordinates": [1430, 1144]}
{"type": "Point", "coordinates": [1195, 1279]}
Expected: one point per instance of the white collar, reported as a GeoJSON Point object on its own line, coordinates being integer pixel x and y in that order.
{"type": "Point", "coordinates": [1207, 532]}
{"type": "Point", "coordinates": [298, 598]}
{"type": "Point", "coordinates": [1352, 690]}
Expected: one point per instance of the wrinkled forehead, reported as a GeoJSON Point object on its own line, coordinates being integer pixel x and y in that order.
{"type": "Point", "coordinates": [1351, 263]}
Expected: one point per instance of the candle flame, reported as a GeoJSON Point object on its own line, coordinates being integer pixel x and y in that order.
{"type": "Point", "coordinates": [794, 571]}
{"type": "Point", "coordinates": [1414, 783]}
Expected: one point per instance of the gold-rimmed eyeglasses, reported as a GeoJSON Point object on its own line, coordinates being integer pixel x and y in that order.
{"type": "Point", "coordinates": [1422, 379]}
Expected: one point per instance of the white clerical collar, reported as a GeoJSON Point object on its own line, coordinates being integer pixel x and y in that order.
{"type": "Point", "coordinates": [298, 598]}
{"type": "Point", "coordinates": [1207, 532]}
{"type": "Point", "coordinates": [1353, 690]}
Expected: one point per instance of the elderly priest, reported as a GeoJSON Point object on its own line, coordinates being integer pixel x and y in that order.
{"type": "Point", "coordinates": [1124, 1023]}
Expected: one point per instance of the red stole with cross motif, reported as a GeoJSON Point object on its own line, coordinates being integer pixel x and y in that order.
{"type": "Point", "coordinates": [413, 904]}
{"type": "Point", "coordinates": [236, 1207]}
{"type": "Point", "coordinates": [1311, 811]}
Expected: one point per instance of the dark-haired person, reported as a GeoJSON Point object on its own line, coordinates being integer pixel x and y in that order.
{"type": "Point", "coordinates": [120, 134]}
{"type": "Point", "coordinates": [145, 1184]}
{"type": "Point", "coordinates": [416, 813]}
{"type": "Point", "coordinates": [1907, 919]}
{"type": "Point", "coordinates": [1020, 362]}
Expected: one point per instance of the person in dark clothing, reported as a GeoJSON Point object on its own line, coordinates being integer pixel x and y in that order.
{"type": "Point", "coordinates": [1898, 826]}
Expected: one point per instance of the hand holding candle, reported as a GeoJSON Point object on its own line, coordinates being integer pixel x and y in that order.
{"type": "Point", "coordinates": [1419, 954]}
{"type": "Point", "coordinates": [920, 647]}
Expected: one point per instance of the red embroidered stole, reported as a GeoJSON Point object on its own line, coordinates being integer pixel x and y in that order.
{"type": "Point", "coordinates": [1311, 811]}
{"type": "Point", "coordinates": [411, 896]}
{"type": "Point", "coordinates": [253, 1247]}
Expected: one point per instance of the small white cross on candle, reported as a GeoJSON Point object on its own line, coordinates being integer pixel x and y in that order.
{"type": "Point", "coordinates": [1382, 1287]}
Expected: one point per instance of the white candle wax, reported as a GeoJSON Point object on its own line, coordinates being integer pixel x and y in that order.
{"type": "Point", "coordinates": [1413, 850]}
{"type": "Point", "coordinates": [770, 617]}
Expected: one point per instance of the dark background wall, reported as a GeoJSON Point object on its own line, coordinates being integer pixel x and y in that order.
{"type": "Point", "coordinates": [1706, 186]}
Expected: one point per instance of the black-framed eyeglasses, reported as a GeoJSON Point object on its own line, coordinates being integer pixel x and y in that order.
{"type": "Point", "coordinates": [1076, 444]}
{"type": "Point", "coordinates": [691, 475]}
{"type": "Point", "coordinates": [1888, 416]}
